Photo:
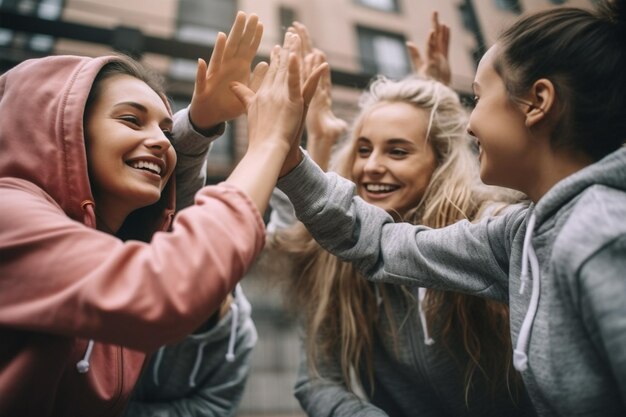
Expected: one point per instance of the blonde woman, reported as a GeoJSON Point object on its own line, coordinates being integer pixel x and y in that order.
{"type": "Point", "coordinates": [411, 351]}
{"type": "Point", "coordinates": [377, 349]}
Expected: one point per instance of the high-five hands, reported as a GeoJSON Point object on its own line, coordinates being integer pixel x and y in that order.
{"type": "Point", "coordinates": [276, 111]}
{"type": "Point", "coordinates": [213, 101]}
{"type": "Point", "coordinates": [436, 65]}
{"type": "Point", "coordinates": [322, 126]}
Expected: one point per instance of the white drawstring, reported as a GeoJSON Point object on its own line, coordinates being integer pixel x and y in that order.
{"type": "Point", "coordinates": [230, 354]}
{"type": "Point", "coordinates": [157, 364]}
{"type": "Point", "coordinates": [421, 295]}
{"type": "Point", "coordinates": [196, 365]}
{"type": "Point", "coordinates": [520, 354]}
{"type": "Point", "coordinates": [379, 298]}
{"type": "Point", "coordinates": [82, 366]}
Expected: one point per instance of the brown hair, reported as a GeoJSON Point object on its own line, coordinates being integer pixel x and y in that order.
{"type": "Point", "coordinates": [583, 53]}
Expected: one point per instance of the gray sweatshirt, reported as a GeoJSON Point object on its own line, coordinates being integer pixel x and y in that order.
{"type": "Point", "coordinates": [202, 376]}
{"type": "Point", "coordinates": [561, 265]}
{"type": "Point", "coordinates": [419, 375]}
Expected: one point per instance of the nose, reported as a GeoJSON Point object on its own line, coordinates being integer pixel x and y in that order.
{"type": "Point", "coordinates": [469, 130]}
{"type": "Point", "coordinates": [374, 164]}
{"type": "Point", "coordinates": [157, 141]}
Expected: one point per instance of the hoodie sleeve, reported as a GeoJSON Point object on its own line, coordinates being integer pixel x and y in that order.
{"type": "Point", "coordinates": [465, 257]}
{"type": "Point", "coordinates": [192, 149]}
{"type": "Point", "coordinates": [326, 396]}
{"type": "Point", "coordinates": [60, 277]}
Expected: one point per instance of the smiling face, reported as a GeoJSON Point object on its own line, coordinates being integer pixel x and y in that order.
{"type": "Point", "coordinates": [130, 157]}
{"type": "Point", "coordinates": [394, 161]}
{"type": "Point", "coordinates": [499, 125]}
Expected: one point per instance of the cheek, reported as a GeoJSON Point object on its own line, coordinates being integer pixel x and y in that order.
{"type": "Point", "coordinates": [357, 169]}
{"type": "Point", "coordinates": [171, 162]}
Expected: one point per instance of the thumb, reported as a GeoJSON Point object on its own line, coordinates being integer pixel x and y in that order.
{"type": "Point", "coordinates": [200, 74]}
{"type": "Point", "coordinates": [243, 93]}
{"type": "Point", "coordinates": [414, 53]}
{"type": "Point", "coordinates": [258, 74]}
{"type": "Point", "coordinates": [310, 85]}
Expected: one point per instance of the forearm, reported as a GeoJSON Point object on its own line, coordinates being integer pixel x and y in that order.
{"type": "Point", "coordinates": [192, 148]}
{"type": "Point", "coordinates": [453, 258]}
{"type": "Point", "coordinates": [257, 172]}
{"type": "Point", "coordinates": [161, 291]}
{"type": "Point", "coordinates": [320, 149]}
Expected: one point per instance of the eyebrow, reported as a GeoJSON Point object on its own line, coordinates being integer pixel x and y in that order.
{"type": "Point", "coordinates": [391, 141]}
{"type": "Point", "coordinates": [141, 108]}
{"type": "Point", "coordinates": [475, 86]}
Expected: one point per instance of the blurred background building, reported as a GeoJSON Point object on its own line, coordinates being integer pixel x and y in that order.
{"type": "Point", "coordinates": [360, 38]}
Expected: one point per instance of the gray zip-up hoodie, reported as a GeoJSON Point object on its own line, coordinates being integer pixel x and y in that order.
{"type": "Point", "coordinates": [561, 265]}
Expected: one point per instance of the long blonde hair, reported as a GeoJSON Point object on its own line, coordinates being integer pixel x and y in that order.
{"type": "Point", "coordinates": [339, 307]}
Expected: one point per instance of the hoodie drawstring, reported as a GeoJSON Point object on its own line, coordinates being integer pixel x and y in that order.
{"type": "Point", "coordinates": [196, 365]}
{"type": "Point", "coordinates": [157, 365]}
{"type": "Point", "coordinates": [421, 295]}
{"type": "Point", "coordinates": [89, 220]}
{"type": "Point", "coordinates": [82, 366]}
{"type": "Point", "coordinates": [520, 354]}
{"type": "Point", "coordinates": [230, 354]}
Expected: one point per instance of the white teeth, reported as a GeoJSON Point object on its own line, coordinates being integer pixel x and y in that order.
{"type": "Point", "coordinates": [380, 188]}
{"type": "Point", "coordinates": [150, 166]}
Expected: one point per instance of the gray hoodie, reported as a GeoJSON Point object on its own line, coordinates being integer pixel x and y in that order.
{"type": "Point", "coordinates": [204, 375]}
{"type": "Point", "coordinates": [415, 375]}
{"type": "Point", "coordinates": [561, 265]}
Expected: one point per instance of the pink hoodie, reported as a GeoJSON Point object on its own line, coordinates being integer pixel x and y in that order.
{"type": "Point", "coordinates": [62, 282]}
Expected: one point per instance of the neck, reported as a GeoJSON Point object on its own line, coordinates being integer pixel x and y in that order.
{"type": "Point", "coordinates": [553, 167]}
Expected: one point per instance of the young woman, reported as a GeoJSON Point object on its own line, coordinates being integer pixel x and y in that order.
{"type": "Point", "coordinates": [87, 198]}
{"type": "Point", "coordinates": [408, 154]}
{"type": "Point", "coordinates": [412, 351]}
{"type": "Point", "coordinates": [205, 373]}
{"type": "Point", "coordinates": [549, 121]}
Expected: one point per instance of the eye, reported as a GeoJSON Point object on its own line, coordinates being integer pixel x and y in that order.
{"type": "Point", "coordinates": [398, 152]}
{"type": "Point", "coordinates": [475, 100]}
{"type": "Point", "coordinates": [129, 118]}
{"type": "Point", "coordinates": [168, 134]}
{"type": "Point", "coordinates": [363, 151]}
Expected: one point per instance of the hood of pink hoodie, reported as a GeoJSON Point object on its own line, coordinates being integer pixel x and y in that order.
{"type": "Point", "coordinates": [42, 103]}
{"type": "Point", "coordinates": [46, 144]}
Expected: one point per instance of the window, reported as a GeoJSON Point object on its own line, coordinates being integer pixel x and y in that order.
{"type": "Point", "coordinates": [470, 23]}
{"type": "Point", "coordinates": [45, 9]}
{"type": "Point", "coordinates": [287, 15]}
{"type": "Point", "coordinates": [199, 21]}
{"type": "Point", "coordinates": [383, 53]}
{"type": "Point", "coordinates": [386, 5]}
{"type": "Point", "coordinates": [509, 5]}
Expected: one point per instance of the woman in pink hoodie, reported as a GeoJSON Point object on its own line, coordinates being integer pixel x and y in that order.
{"type": "Point", "coordinates": [87, 191]}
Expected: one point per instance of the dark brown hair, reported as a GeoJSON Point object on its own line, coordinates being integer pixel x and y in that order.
{"type": "Point", "coordinates": [583, 53]}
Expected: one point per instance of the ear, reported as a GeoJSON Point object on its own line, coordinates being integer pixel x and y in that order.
{"type": "Point", "coordinates": [542, 96]}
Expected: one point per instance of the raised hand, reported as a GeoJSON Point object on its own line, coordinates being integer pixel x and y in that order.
{"type": "Point", "coordinates": [213, 101]}
{"type": "Point", "coordinates": [323, 128]}
{"type": "Point", "coordinates": [436, 65]}
{"type": "Point", "coordinates": [275, 114]}
{"type": "Point", "coordinates": [276, 111]}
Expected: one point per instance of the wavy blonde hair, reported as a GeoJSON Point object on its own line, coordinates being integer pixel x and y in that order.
{"type": "Point", "coordinates": [339, 307]}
